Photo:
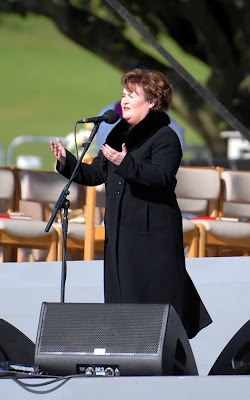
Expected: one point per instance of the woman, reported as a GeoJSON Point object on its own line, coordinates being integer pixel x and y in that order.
{"type": "Point", "coordinates": [144, 258]}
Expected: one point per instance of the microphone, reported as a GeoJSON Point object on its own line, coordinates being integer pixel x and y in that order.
{"type": "Point", "coordinates": [110, 117]}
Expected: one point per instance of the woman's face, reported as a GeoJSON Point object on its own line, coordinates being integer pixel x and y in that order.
{"type": "Point", "coordinates": [134, 105]}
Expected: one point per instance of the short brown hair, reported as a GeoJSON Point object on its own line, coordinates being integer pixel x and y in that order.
{"type": "Point", "coordinates": [154, 84]}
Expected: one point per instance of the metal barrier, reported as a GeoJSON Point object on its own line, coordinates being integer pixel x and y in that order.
{"type": "Point", "coordinates": [26, 139]}
{"type": "Point", "coordinates": [2, 154]}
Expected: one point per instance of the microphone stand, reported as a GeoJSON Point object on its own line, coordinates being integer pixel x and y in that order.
{"type": "Point", "coordinates": [64, 203]}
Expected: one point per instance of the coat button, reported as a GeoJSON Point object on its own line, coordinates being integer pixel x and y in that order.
{"type": "Point", "coordinates": [118, 192]}
{"type": "Point", "coordinates": [121, 183]}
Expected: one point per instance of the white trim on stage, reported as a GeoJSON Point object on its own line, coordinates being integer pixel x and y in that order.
{"type": "Point", "coordinates": [133, 388]}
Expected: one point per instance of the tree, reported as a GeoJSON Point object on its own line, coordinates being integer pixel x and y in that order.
{"type": "Point", "coordinates": [214, 31]}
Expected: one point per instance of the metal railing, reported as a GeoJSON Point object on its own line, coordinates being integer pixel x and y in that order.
{"type": "Point", "coordinates": [26, 139]}
{"type": "Point", "coordinates": [2, 154]}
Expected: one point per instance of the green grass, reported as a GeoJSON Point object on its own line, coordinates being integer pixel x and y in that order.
{"type": "Point", "coordinates": [48, 82]}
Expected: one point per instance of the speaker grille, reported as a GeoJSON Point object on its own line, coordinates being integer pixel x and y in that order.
{"type": "Point", "coordinates": [79, 328]}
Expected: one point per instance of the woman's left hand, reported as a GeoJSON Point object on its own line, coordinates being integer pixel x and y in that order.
{"type": "Point", "coordinates": [112, 155]}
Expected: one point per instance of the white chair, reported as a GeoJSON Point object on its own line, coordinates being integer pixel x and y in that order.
{"type": "Point", "coordinates": [7, 200]}
{"type": "Point", "coordinates": [229, 237]}
{"type": "Point", "coordinates": [198, 193]}
{"type": "Point", "coordinates": [18, 233]}
{"type": "Point", "coordinates": [37, 193]}
{"type": "Point", "coordinates": [27, 234]}
{"type": "Point", "coordinates": [7, 189]}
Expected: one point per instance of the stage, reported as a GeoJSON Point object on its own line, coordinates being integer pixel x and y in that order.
{"type": "Point", "coordinates": [134, 388]}
{"type": "Point", "coordinates": [223, 283]}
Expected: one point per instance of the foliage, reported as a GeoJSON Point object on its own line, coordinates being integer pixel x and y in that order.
{"type": "Point", "coordinates": [47, 83]}
{"type": "Point", "coordinates": [217, 33]}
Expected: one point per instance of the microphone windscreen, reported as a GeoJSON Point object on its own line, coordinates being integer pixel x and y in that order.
{"type": "Point", "coordinates": [111, 116]}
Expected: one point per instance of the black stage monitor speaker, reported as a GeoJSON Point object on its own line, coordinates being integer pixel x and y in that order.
{"type": "Point", "coordinates": [15, 347]}
{"type": "Point", "coordinates": [235, 358]}
{"type": "Point", "coordinates": [112, 339]}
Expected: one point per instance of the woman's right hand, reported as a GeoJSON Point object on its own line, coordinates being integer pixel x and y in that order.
{"type": "Point", "coordinates": [58, 150]}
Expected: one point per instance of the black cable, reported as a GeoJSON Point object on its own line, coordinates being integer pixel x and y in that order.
{"type": "Point", "coordinates": [30, 387]}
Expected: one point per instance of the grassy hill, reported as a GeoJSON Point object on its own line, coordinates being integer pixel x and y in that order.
{"type": "Point", "coordinates": [48, 82]}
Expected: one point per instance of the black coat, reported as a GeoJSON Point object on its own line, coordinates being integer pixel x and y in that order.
{"type": "Point", "coordinates": [144, 257]}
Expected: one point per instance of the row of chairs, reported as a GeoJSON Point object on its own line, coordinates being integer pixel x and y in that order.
{"type": "Point", "coordinates": [214, 203]}
{"type": "Point", "coordinates": [202, 192]}
{"type": "Point", "coordinates": [242, 164]}
{"type": "Point", "coordinates": [219, 202]}
{"type": "Point", "coordinates": [29, 197]}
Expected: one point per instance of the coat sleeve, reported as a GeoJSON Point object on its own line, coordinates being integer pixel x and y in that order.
{"type": "Point", "coordinates": [87, 174]}
{"type": "Point", "coordinates": [160, 168]}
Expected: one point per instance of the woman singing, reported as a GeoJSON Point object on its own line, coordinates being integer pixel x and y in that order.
{"type": "Point", "coordinates": [144, 257]}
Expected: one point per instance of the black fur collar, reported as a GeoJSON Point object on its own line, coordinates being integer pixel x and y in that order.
{"type": "Point", "coordinates": [135, 137]}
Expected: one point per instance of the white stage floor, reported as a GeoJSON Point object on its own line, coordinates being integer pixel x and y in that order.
{"type": "Point", "coordinates": [223, 283]}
